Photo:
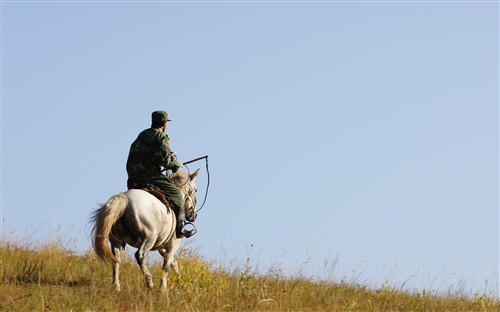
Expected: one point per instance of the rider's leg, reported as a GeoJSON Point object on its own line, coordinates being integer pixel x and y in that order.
{"type": "Point", "coordinates": [181, 231]}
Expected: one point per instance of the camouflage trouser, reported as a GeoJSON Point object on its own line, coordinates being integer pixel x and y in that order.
{"type": "Point", "coordinates": [173, 193]}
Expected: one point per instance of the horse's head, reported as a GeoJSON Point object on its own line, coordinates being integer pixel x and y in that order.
{"type": "Point", "coordinates": [185, 182]}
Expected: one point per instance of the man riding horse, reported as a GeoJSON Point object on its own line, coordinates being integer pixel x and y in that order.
{"type": "Point", "coordinates": [148, 153]}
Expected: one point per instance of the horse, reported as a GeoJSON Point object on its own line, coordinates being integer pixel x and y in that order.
{"type": "Point", "coordinates": [141, 220]}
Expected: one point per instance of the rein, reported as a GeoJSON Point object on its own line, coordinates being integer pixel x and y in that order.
{"type": "Point", "coordinates": [208, 177]}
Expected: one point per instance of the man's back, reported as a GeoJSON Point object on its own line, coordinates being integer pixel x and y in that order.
{"type": "Point", "coordinates": [146, 154]}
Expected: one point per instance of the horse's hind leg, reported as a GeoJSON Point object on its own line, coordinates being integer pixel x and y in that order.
{"type": "Point", "coordinates": [116, 267]}
{"type": "Point", "coordinates": [140, 256]}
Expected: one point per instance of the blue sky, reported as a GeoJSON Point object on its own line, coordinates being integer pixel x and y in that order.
{"type": "Point", "coordinates": [346, 140]}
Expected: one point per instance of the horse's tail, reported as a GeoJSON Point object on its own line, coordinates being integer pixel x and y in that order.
{"type": "Point", "coordinates": [104, 218]}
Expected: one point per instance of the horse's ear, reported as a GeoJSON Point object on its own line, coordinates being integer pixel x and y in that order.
{"type": "Point", "coordinates": [194, 175]}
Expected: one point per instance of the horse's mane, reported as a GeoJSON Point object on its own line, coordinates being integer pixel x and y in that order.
{"type": "Point", "coordinates": [180, 178]}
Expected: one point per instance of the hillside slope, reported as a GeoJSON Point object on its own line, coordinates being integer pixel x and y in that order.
{"type": "Point", "coordinates": [49, 278]}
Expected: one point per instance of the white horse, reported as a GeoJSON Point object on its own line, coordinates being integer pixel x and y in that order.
{"type": "Point", "coordinates": [139, 219]}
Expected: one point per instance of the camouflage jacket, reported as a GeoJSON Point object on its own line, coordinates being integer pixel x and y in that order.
{"type": "Point", "coordinates": [148, 153]}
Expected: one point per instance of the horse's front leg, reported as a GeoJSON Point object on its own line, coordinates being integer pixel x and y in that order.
{"type": "Point", "coordinates": [116, 268]}
{"type": "Point", "coordinates": [164, 276]}
{"type": "Point", "coordinates": [168, 263]}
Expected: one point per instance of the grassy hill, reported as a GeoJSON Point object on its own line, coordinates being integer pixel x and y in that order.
{"type": "Point", "coordinates": [51, 278]}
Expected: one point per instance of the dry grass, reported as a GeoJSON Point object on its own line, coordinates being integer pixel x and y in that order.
{"type": "Point", "coordinates": [51, 278]}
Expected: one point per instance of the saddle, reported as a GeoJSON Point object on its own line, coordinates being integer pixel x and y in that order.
{"type": "Point", "coordinates": [155, 191]}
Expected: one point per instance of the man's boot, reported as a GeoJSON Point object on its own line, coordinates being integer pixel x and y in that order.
{"type": "Point", "coordinates": [181, 222]}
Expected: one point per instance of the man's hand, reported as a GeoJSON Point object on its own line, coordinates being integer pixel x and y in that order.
{"type": "Point", "coordinates": [176, 165]}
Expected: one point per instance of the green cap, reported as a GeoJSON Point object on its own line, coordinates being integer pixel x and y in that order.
{"type": "Point", "coordinates": [159, 117]}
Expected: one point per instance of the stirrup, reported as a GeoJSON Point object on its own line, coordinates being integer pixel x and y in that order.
{"type": "Point", "coordinates": [186, 233]}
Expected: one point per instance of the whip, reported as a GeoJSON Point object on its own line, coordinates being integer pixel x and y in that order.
{"type": "Point", "coordinates": [208, 176]}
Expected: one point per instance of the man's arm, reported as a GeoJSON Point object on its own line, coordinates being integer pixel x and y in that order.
{"type": "Point", "coordinates": [168, 158]}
